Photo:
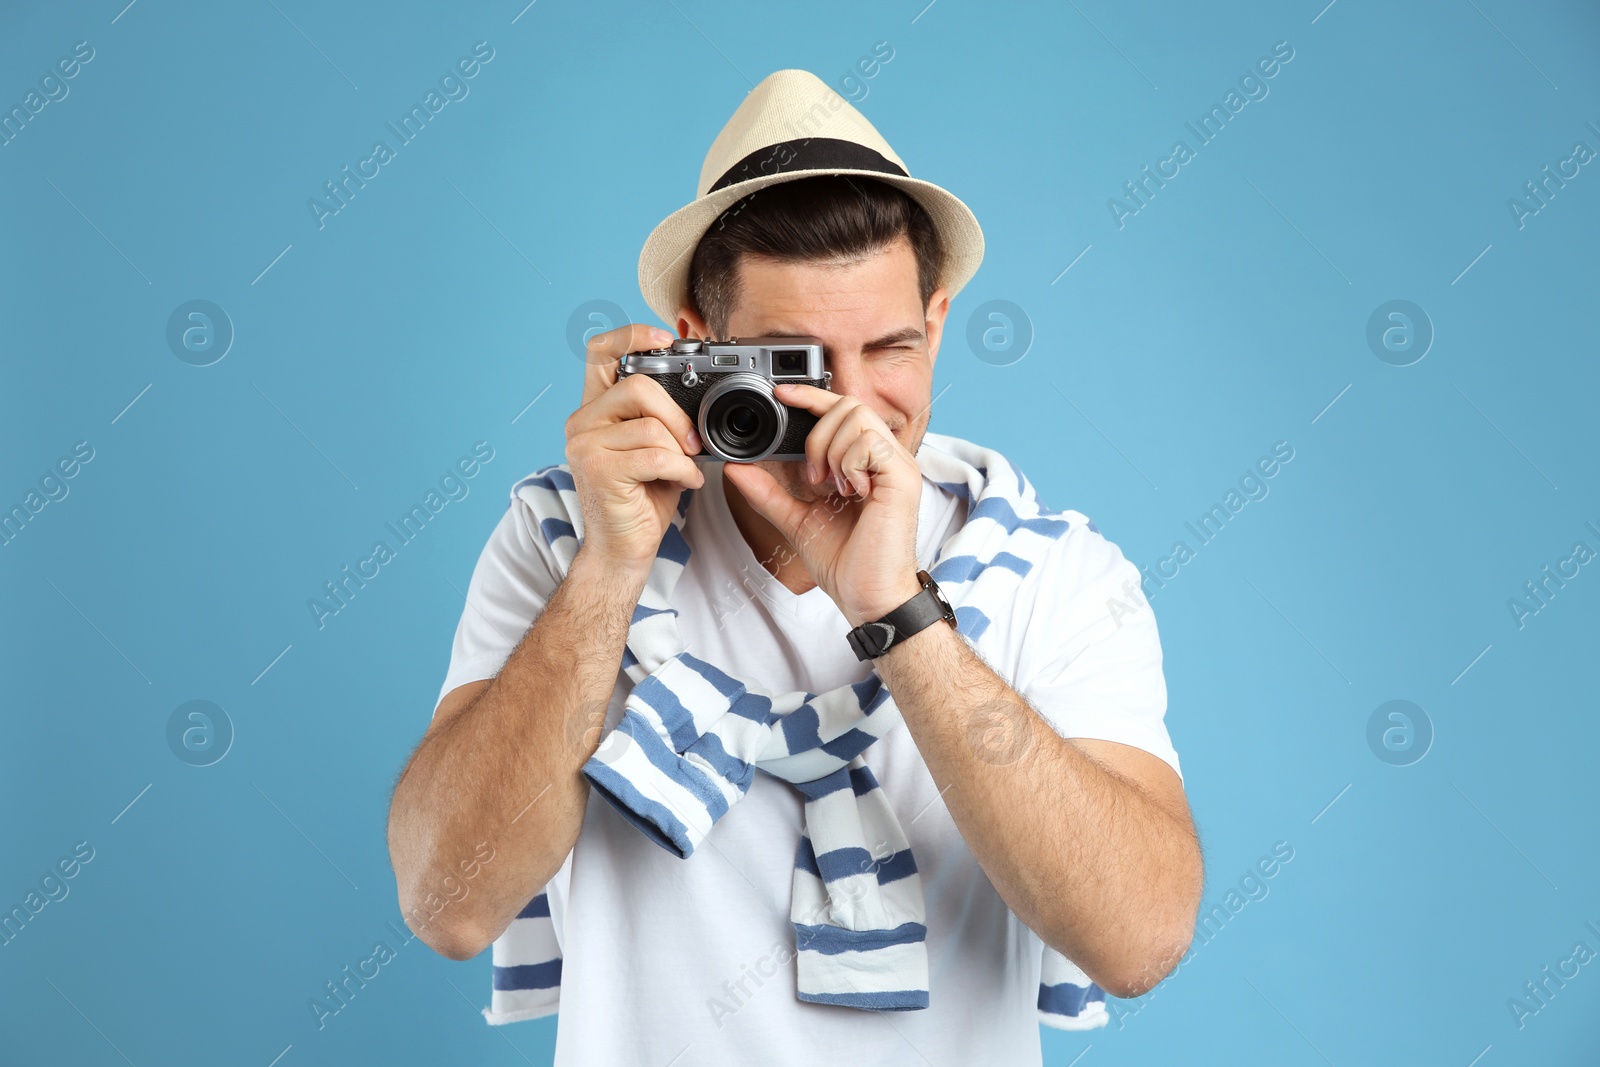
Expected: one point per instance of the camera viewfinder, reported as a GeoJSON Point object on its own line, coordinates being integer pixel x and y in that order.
{"type": "Point", "coordinates": [789, 361]}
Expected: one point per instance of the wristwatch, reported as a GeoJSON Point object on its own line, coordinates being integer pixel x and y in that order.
{"type": "Point", "coordinates": [872, 639]}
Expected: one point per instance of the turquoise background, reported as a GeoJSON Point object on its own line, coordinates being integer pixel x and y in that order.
{"type": "Point", "coordinates": [1225, 316]}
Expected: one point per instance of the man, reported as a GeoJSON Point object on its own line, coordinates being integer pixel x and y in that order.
{"type": "Point", "coordinates": [1037, 789]}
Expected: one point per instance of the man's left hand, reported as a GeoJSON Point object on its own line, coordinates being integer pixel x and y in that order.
{"type": "Point", "coordinates": [860, 544]}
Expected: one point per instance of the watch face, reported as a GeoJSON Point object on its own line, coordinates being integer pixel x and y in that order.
{"type": "Point", "coordinates": [938, 594]}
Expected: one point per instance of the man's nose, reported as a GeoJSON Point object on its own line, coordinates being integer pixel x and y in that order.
{"type": "Point", "coordinates": [846, 376]}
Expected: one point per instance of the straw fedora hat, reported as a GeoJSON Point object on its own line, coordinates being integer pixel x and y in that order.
{"type": "Point", "coordinates": [793, 126]}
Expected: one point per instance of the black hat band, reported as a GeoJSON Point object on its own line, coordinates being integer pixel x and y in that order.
{"type": "Point", "coordinates": [812, 153]}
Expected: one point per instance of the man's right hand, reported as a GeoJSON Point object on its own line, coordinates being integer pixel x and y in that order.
{"type": "Point", "coordinates": [628, 446]}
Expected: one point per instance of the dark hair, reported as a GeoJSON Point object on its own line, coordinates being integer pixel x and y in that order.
{"type": "Point", "coordinates": [833, 217]}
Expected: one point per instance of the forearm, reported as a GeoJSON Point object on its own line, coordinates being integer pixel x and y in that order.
{"type": "Point", "coordinates": [1083, 856]}
{"type": "Point", "coordinates": [507, 769]}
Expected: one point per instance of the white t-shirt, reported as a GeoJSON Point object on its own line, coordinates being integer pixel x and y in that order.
{"type": "Point", "coordinates": [665, 957]}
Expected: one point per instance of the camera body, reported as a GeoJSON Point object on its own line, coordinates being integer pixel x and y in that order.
{"type": "Point", "coordinates": [726, 388]}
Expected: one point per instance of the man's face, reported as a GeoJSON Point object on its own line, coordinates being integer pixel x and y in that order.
{"type": "Point", "coordinates": [878, 340]}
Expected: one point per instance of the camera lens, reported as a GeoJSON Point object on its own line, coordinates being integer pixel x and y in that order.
{"type": "Point", "coordinates": [741, 424]}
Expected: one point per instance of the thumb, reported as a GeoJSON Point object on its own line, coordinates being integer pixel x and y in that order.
{"type": "Point", "coordinates": [771, 501]}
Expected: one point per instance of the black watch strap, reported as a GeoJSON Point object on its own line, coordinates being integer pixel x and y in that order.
{"type": "Point", "coordinates": [872, 639]}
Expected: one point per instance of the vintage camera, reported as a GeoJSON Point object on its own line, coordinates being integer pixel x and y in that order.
{"type": "Point", "coordinates": [726, 388]}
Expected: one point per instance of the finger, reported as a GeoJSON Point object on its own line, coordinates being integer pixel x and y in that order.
{"type": "Point", "coordinates": [818, 402]}
{"type": "Point", "coordinates": [799, 395]}
{"type": "Point", "coordinates": [603, 350]}
{"type": "Point", "coordinates": [821, 437]}
{"type": "Point", "coordinates": [645, 432]}
{"type": "Point", "coordinates": [858, 420]}
{"type": "Point", "coordinates": [770, 499]}
{"type": "Point", "coordinates": [869, 462]}
{"type": "Point", "coordinates": [656, 465]}
{"type": "Point", "coordinates": [640, 396]}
